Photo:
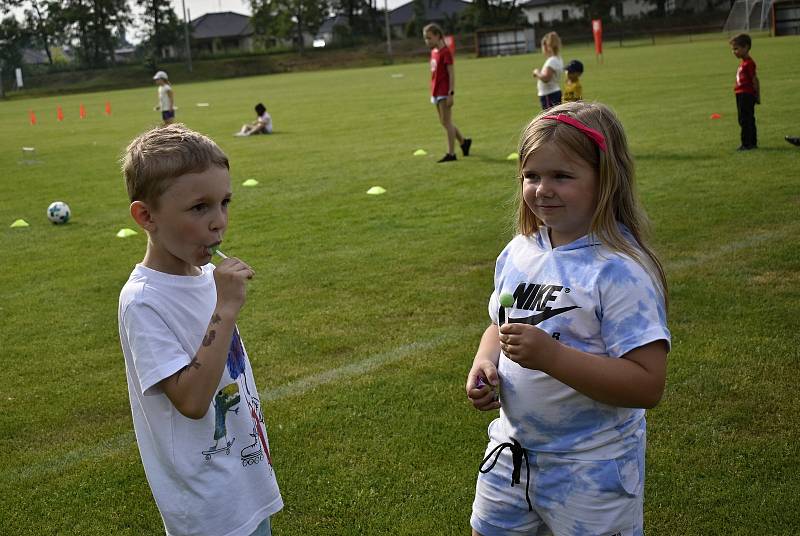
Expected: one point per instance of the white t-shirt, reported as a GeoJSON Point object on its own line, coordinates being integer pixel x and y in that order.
{"type": "Point", "coordinates": [590, 298]}
{"type": "Point", "coordinates": [267, 120]}
{"type": "Point", "coordinates": [554, 84]}
{"type": "Point", "coordinates": [163, 97]}
{"type": "Point", "coordinates": [212, 476]}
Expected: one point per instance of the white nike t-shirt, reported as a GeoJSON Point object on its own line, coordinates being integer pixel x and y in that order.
{"type": "Point", "coordinates": [590, 298]}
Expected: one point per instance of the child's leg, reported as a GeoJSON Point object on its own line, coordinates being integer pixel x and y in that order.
{"type": "Point", "coordinates": [446, 118]}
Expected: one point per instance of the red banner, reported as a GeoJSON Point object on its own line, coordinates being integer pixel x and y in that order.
{"type": "Point", "coordinates": [597, 32]}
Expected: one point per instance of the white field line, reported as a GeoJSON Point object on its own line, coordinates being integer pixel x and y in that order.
{"type": "Point", "coordinates": [127, 440]}
{"type": "Point", "coordinates": [298, 387]}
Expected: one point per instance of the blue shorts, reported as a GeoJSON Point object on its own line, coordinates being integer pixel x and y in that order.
{"type": "Point", "coordinates": [568, 496]}
{"type": "Point", "coordinates": [263, 529]}
{"type": "Point", "coordinates": [550, 100]}
{"type": "Point", "coordinates": [169, 114]}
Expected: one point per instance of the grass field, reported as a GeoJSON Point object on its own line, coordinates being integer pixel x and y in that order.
{"type": "Point", "coordinates": [366, 311]}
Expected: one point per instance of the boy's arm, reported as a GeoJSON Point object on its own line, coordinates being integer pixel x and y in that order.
{"type": "Point", "coordinates": [192, 388]}
{"type": "Point", "coordinates": [757, 87]}
{"type": "Point", "coordinates": [171, 100]}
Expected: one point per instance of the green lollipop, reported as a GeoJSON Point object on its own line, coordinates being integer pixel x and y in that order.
{"type": "Point", "coordinates": [506, 301]}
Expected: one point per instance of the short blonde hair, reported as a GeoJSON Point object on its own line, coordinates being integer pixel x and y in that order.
{"type": "Point", "coordinates": [157, 157]}
{"type": "Point", "coordinates": [617, 201]}
{"type": "Point", "coordinates": [553, 41]}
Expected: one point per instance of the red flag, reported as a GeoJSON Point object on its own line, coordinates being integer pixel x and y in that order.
{"type": "Point", "coordinates": [450, 41]}
{"type": "Point", "coordinates": [60, 114]}
{"type": "Point", "coordinates": [108, 107]}
{"type": "Point", "coordinates": [83, 112]}
{"type": "Point", "coordinates": [32, 117]}
{"type": "Point", "coordinates": [597, 32]}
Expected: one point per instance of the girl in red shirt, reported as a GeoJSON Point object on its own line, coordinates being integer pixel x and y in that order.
{"type": "Point", "coordinates": [443, 88]}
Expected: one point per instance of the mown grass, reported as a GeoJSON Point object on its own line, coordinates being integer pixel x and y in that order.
{"type": "Point", "coordinates": [397, 285]}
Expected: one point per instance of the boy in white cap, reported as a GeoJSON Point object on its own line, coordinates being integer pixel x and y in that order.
{"type": "Point", "coordinates": [166, 98]}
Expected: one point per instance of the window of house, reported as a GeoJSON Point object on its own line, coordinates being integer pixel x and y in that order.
{"type": "Point", "coordinates": [565, 14]}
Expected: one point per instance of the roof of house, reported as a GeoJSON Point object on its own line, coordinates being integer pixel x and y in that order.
{"type": "Point", "coordinates": [224, 24]}
{"type": "Point", "coordinates": [328, 24]}
{"type": "Point", "coordinates": [543, 3]}
{"type": "Point", "coordinates": [435, 10]}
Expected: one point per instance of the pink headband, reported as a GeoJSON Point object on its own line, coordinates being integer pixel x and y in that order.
{"type": "Point", "coordinates": [591, 133]}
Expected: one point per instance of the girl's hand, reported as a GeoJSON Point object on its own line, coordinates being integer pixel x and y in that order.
{"type": "Point", "coordinates": [484, 397]}
{"type": "Point", "coordinates": [536, 73]}
{"type": "Point", "coordinates": [527, 345]}
{"type": "Point", "coordinates": [449, 102]}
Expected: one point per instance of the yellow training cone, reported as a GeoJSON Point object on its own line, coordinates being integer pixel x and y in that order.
{"type": "Point", "coordinates": [250, 182]}
{"type": "Point", "coordinates": [512, 156]}
{"type": "Point", "coordinates": [420, 152]}
{"type": "Point", "coordinates": [20, 223]}
{"type": "Point", "coordinates": [376, 190]}
{"type": "Point", "coordinates": [125, 233]}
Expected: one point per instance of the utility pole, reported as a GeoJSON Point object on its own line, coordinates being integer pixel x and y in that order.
{"type": "Point", "coordinates": [186, 35]}
{"type": "Point", "coordinates": [388, 29]}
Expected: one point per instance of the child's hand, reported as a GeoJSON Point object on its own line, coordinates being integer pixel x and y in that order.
{"type": "Point", "coordinates": [480, 382]}
{"type": "Point", "coordinates": [231, 276]}
{"type": "Point", "coordinates": [536, 73]}
{"type": "Point", "coordinates": [527, 345]}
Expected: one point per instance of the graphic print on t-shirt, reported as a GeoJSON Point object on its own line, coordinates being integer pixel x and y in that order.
{"type": "Point", "coordinates": [228, 399]}
{"type": "Point", "coordinates": [536, 297]}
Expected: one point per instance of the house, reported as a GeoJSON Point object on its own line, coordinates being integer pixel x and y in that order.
{"type": "Point", "coordinates": [546, 11]}
{"type": "Point", "coordinates": [435, 11]}
{"type": "Point", "coordinates": [325, 32]}
{"type": "Point", "coordinates": [222, 32]}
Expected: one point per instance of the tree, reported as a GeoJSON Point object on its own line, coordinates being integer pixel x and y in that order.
{"type": "Point", "coordinates": [491, 13]}
{"type": "Point", "coordinates": [12, 40]}
{"type": "Point", "coordinates": [289, 19]}
{"type": "Point", "coordinates": [164, 26]}
{"type": "Point", "coordinates": [90, 26]}
{"type": "Point", "coordinates": [44, 21]}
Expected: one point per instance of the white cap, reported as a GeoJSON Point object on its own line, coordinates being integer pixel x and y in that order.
{"type": "Point", "coordinates": [160, 75]}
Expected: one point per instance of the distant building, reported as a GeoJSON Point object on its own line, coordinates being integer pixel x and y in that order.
{"type": "Point", "coordinates": [548, 11]}
{"type": "Point", "coordinates": [326, 32]}
{"type": "Point", "coordinates": [435, 11]}
{"type": "Point", "coordinates": [222, 32]}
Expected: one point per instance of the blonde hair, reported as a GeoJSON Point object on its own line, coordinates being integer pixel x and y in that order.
{"type": "Point", "coordinates": [433, 28]}
{"type": "Point", "coordinates": [553, 41]}
{"type": "Point", "coordinates": [617, 201]}
{"type": "Point", "coordinates": [157, 157]}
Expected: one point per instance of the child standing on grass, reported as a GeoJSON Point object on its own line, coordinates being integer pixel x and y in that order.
{"type": "Point", "coordinates": [548, 79]}
{"type": "Point", "coordinates": [166, 97]}
{"type": "Point", "coordinates": [584, 348]}
{"type": "Point", "coordinates": [443, 88]}
{"type": "Point", "coordinates": [747, 90]}
{"type": "Point", "coordinates": [573, 91]}
{"type": "Point", "coordinates": [196, 408]}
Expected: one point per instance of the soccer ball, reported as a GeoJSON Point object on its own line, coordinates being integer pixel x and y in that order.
{"type": "Point", "coordinates": [58, 212]}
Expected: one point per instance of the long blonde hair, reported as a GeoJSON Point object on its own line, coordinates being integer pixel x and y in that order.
{"type": "Point", "coordinates": [553, 41]}
{"type": "Point", "coordinates": [617, 201]}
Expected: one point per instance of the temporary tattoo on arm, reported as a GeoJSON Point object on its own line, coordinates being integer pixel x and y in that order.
{"type": "Point", "coordinates": [216, 319]}
{"type": "Point", "coordinates": [209, 338]}
{"type": "Point", "coordinates": [193, 363]}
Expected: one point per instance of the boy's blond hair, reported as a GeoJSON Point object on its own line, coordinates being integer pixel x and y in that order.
{"type": "Point", "coordinates": [617, 201]}
{"type": "Point", "coordinates": [157, 157]}
{"type": "Point", "coordinates": [553, 41]}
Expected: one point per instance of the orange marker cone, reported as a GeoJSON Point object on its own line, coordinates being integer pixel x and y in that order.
{"type": "Point", "coordinates": [715, 116]}
{"type": "Point", "coordinates": [108, 108]}
{"type": "Point", "coordinates": [83, 112]}
{"type": "Point", "coordinates": [59, 114]}
{"type": "Point", "coordinates": [32, 117]}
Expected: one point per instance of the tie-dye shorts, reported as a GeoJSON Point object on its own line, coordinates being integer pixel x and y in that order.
{"type": "Point", "coordinates": [570, 497]}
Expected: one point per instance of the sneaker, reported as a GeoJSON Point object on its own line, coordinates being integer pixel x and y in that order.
{"type": "Point", "coordinates": [465, 146]}
{"type": "Point", "coordinates": [449, 157]}
{"type": "Point", "coordinates": [793, 140]}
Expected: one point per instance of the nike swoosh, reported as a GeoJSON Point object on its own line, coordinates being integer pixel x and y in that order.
{"type": "Point", "coordinates": [541, 317]}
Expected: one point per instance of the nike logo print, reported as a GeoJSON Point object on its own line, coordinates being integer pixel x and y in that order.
{"type": "Point", "coordinates": [538, 318]}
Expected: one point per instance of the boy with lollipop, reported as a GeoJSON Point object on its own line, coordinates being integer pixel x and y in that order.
{"type": "Point", "coordinates": [196, 409]}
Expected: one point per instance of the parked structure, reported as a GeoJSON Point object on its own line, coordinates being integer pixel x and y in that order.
{"type": "Point", "coordinates": [222, 32]}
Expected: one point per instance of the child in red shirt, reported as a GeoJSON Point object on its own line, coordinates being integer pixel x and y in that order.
{"type": "Point", "coordinates": [747, 91]}
{"type": "Point", "coordinates": [443, 88]}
